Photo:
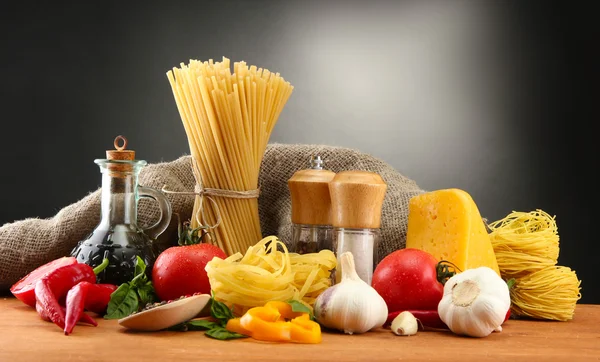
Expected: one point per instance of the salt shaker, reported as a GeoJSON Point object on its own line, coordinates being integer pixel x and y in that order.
{"type": "Point", "coordinates": [311, 208]}
{"type": "Point", "coordinates": [356, 201]}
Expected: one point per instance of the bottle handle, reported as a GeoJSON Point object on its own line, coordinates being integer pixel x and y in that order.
{"type": "Point", "coordinates": [164, 205]}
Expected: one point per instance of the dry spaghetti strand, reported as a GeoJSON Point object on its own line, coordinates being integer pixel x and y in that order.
{"type": "Point", "coordinates": [525, 242]}
{"type": "Point", "coordinates": [228, 119]}
{"type": "Point", "coordinates": [550, 293]}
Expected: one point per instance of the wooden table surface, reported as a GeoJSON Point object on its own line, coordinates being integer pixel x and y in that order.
{"type": "Point", "coordinates": [25, 337]}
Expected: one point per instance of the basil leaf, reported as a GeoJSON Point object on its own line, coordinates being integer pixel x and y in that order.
{"type": "Point", "coordinates": [220, 311]}
{"type": "Point", "coordinates": [140, 266]}
{"type": "Point", "coordinates": [140, 277]}
{"type": "Point", "coordinates": [123, 302]}
{"type": "Point", "coordinates": [122, 289]}
{"type": "Point", "coordinates": [139, 281]}
{"type": "Point", "coordinates": [299, 307]}
{"type": "Point", "coordinates": [118, 294]}
{"type": "Point", "coordinates": [146, 293]}
{"type": "Point", "coordinates": [194, 325]}
{"type": "Point", "coordinates": [201, 325]}
{"type": "Point", "coordinates": [223, 334]}
{"type": "Point", "coordinates": [181, 327]}
{"type": "Point", "coordinates": [143, 294]}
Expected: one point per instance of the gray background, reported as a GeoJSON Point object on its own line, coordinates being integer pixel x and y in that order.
{"type": "Point", "coordinates": [487, 96]}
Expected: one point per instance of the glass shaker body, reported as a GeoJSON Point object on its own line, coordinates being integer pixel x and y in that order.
{"type": "Point", "coordinates": [311, 238]}
{"type": "Point", "coordinates": [363, 244]}
{"type": "Point", "coordinates": [356, 200]}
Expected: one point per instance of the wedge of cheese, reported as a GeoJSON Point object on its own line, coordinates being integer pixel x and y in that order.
{"type": "Point", "coordinates": [448, 225]}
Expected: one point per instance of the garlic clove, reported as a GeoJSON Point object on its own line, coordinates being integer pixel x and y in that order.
{"type": "Point", "coordinates": [405, 324]}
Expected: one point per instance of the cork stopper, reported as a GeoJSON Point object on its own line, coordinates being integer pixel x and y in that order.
{"type": "Point", "coordinates": [356, 199]}
{"type": "Point", "coordinates": [120, 154]}
{"type": "Point", "coordinates": [309, 190]}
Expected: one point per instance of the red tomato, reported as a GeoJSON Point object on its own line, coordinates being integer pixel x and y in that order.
{"type": "Point", "coordinates": [24, 289]}
{"type": "Point", "coordinates": [179, 270]}
{"type": "Point", "coordinates": [407, 280]}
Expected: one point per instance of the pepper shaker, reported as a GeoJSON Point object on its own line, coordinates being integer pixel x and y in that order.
{"type": "Point", "coordinates": [356, 201]}
{"type": "Point", "coordinates": [311, 208]}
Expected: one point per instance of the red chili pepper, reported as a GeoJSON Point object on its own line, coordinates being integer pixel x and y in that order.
{"type": "Point", "coordinates": [24, 288]}
{"type": "Point", "coordinates": [75, 302]}
{"type": "Point", "coordinates": [428, 318]}
{"type": "Point", "coordinates": [55, 286]}
{"type": "Point", "coordinates": [85, 295]}
{"type": "Point", "coordinates": [84, 317]}
{"type": "Point", "coordinates": [98, 297]}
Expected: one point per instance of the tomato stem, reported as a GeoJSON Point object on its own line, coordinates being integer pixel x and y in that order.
{"type": "Point", "coordinates": [189, 236]}
{"type": "Point", "coordinates": [510, 283]}
{"type": "Point", "coordinates": [443, 271]}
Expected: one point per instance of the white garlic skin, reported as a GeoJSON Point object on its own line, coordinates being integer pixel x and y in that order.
{"type": "Point", "coordinates": [351, 306]}
{"type": "Point", "coordinates": [488, 302]}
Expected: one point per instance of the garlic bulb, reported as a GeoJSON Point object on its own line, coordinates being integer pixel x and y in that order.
{"type": "Point", "coordinates": [475, 302]}
{"type": "Point", "coordinates": [351, 306]}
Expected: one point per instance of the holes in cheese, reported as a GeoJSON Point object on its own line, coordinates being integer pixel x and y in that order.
{"type": "Point", "coordinates": [448, 225]}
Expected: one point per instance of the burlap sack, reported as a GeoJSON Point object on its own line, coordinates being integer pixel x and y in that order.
{"type": "Point", "coordinates": [26, 244]}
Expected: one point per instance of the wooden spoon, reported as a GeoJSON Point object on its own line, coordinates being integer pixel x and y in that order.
{"type": "Point", "coordinates": [168, 315]}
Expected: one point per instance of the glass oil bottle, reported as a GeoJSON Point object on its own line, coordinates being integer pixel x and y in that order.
{"type": "Point", "coordinates": [117, 236]}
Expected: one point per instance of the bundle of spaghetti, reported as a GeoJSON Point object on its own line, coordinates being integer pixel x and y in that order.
{"type": "Point", "coordinates": [268, 272]}
{"type": "Point", "coordinates": [526, 245]}
{"type": "Point", "coordinates": [228, 119]}
{"type": "Point", "coordinates": [550, 293]}
{"type": "Point", "coordinates": [525, 242]}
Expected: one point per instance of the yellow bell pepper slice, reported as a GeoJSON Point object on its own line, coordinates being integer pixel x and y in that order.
{"type": "Point", "coordinates": [234, 325]}
{"type": "Point", "coordinates": [285, 309]}
{"type": "Point", "coordinates": [268, 324]}
{"type": "Point", "coordinates": [264, 324]}
{"type": "Point", "coordinates": [303, 330]}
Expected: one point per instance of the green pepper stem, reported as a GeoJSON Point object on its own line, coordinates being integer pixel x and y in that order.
{"type": "Point", "coordinates": [101, 267]}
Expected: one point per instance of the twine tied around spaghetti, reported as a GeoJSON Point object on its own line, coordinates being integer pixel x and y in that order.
{"type": "Point", "coordinates": [209, 193]}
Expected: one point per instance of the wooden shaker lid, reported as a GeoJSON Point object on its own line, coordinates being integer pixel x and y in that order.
{"type": "Point", "coordinates": [309, 189]}
{"type": "Point", "coordinates": [356, 199]}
